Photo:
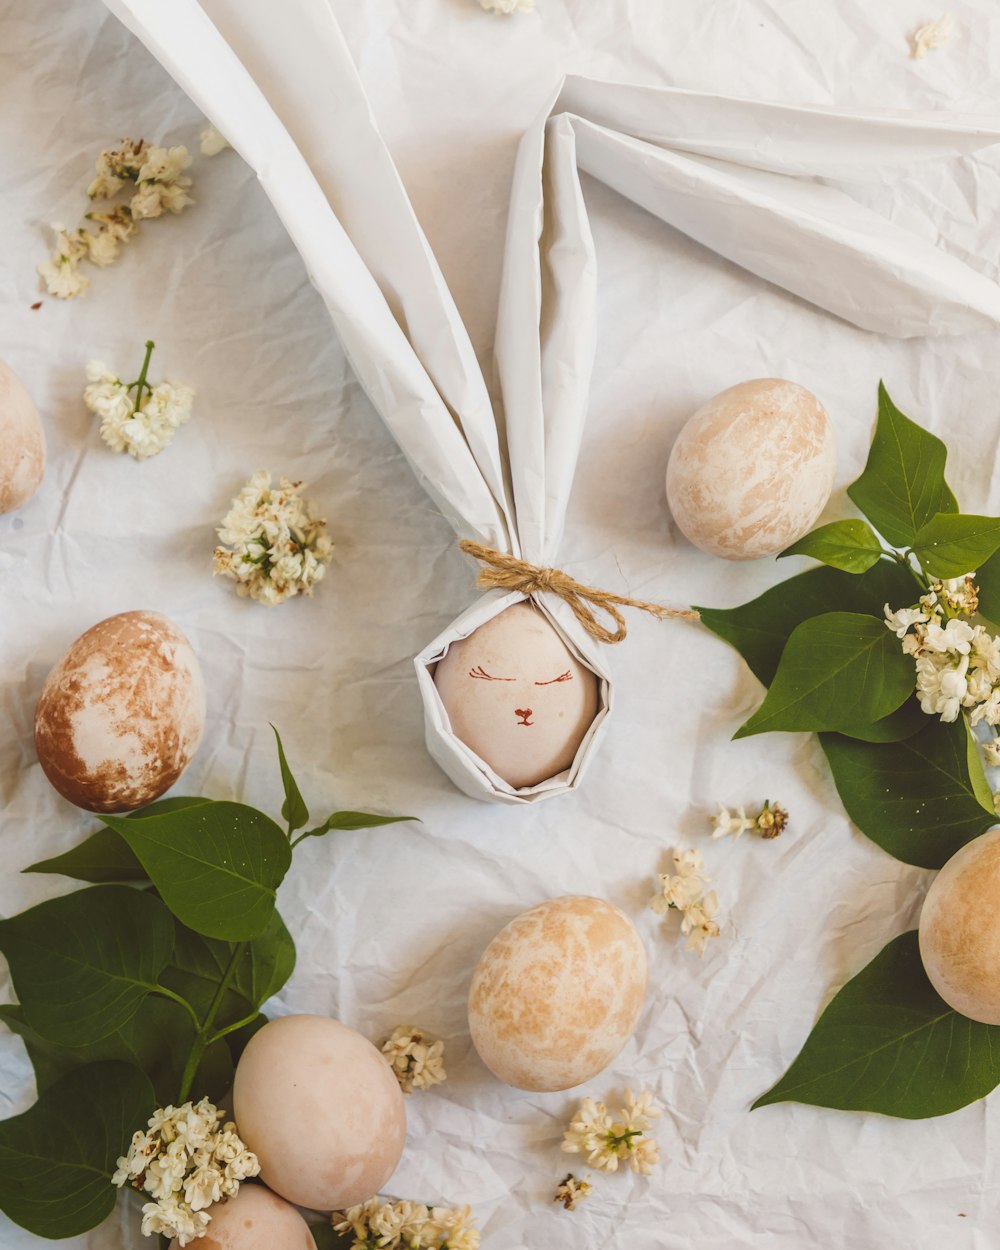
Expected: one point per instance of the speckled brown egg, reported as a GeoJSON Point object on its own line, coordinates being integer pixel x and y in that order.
{"type": "Point", "coordinates": [322, 1111]}
{"type": "Point", "coordinates": [22, 442]}
{"type": "Point", "coordinates": [960, 930]}
{"type": "Point", "coordinates": [517, 696]}
{"type": "Point", "coordinates": [557, 993]}
{"type": "Point", "coordinates": [121, 715]}
{"type": "Point", "coordinates": [255, 1219]}
{"type": "Point", "coordinates": [752, 469]}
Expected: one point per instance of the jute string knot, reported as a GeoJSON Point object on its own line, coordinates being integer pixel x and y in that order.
{"type": "Point", "coordinates": [505, 572]}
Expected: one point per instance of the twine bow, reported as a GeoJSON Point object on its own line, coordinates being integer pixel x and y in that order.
{"type": "Point", "coordinates": [504, 572]}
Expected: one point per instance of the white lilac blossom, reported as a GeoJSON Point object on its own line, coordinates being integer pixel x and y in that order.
{"type": "Point", "coordinates": [683, 890]}
{"type": "Point", "coordinates": [273, 545]}
{"type": "Point", "coordinates": [155, 182]}
{"type": "Point", "coordinates": [142, 424]}
{"type": "Point", "coordinates": [185, 1161]}
{"type": "Point", "coordinates": [508, 6]}
{"type": "Point", "coordinates": [398, 1225]}
{"type": "Point", "coordinates": [933, 35]}
{"type": "Point", "coordinates": [213, 141]}
{"type": "Point", "coordinates": [417, 1061]}
{"type": "Point", "coordinates": [571, 1191]}
{"type": "Point", "coordinates": [608, 1141]}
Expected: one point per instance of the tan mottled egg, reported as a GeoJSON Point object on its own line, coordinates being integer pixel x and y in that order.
{"type": "Point", "coordinates": [557, 993]}
{"type": "Point", "coordinates": [321, 1109]}
{"type": "Point", "coordinates": [255, 1219]}
{"type": "Point", "coordinates": [960, 930]}
{"type": "Point", "coordinates": [517, 696]}
{"type": "Point", "coordinates": [752, 469]}
{"type": "Point", "coordinates": [122, 713]}
{"type": "Point", "coordinates": [22, 442]}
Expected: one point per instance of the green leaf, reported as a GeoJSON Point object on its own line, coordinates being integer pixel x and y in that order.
{"type": "Point", "coordinates": [217, 866]}
{"type": "Point", "coordinates": [852, 546]}
{"type": "Point", "coordinates": [951, 546]}
{"type": "Point", "coordinates": [293, 811]}
{"type": "Point", "coordinates": [157, 1040]}
{"type": "Point", "coordinates": [198, 965]}
{"type": "Point", "coordinates": [104, 856]}
{"type": "Point", "coordinates": [57, 1159]}
{"type": "Point", "coordinates": [346, 821]}
{"type": "Point", "coordinates": [837, 670]}
{"type": "Point", "coordinates": [82, 964]}
{"type": "Point", "coordinates": [988, 581]}
{"type": "Point", "coordinates": [977, 775]}
{"type": "Point", "coordinates": [759, 629]}
{"type": "Point", "coordinates": [915, 799]}
{"type": "Point", "coordinates": [903, 723]}
{"type": "Point", "coordinates": [888, 1043]}
{"type": "Point", "coordinates": [903, 484]}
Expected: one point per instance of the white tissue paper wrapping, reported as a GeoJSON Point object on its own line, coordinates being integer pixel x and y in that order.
{"type": "Point", "coordinates": [735, 175]}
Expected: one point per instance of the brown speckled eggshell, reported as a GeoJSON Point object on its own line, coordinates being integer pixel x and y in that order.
{"type": "Point", "coordinates": [122, 713]}
{"type": "Point", "coordinates": [557, 993]}
{"type": "Point", "coordinates": [960, 930]}
{"type": "Point", "coordinates": [22, 442]}
{"type": "Point", "coordinates": [752, 469]}
{"type": "Point", "coordinates": [255, 1219]}
{"type": "Point", "coordinates": [321, 1109]}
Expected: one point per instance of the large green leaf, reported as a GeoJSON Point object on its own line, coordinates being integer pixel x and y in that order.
{"type": "Point", "coordinates": [57, 1159]}
{"type": "Point", "coordinates": [217, 866]}
{"type": "Point", "coordinates": [347, 821]}
{"type": "Point", "coordinates": [198, 965]}
{"type": "Point", "coordinates": [903, 484]}
{"type": "Point", "coordinates": [105, 856]}
{"type": "Point", "coordinates": [158, 1040]}
{"type": "Point", "coordinates": [759, 629]}
{"type": "Point", "coordinates": [951, 546]}
{"type": "Point", "coordinates": [293, 811]}
{"type": "Point", "coordinates": [82, 964]}
{"type": "Point", "coordinates": [903, 723]}
{"type": "Point", "coordinates": [918, 799]}
{"type": "Point", "coordinates": [889, 1043]}
{"type": "Point", "coordinates": [988, 581]}
{"type": "Point", "coordinates": [850, 545]}
{"type": "Point", "coordinates": [837, 670]}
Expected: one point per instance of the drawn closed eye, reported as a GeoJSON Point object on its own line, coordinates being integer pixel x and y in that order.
{"type": "Point", "coordinates": [567, 676]}
{"type": "Point", "coordinates": [482, 674]}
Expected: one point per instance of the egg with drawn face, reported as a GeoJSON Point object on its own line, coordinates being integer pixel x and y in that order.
{"type": "Point", "coordinates": [517, 696]}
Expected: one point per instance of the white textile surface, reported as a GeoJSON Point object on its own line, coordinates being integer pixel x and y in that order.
{"type": "Point", "coordinates": [389, 922]}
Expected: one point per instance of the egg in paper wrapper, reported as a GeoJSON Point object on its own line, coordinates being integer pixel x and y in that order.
{"type": "Point", "coordinates": [121, 715]}
{"type": "Point", "coordinates": [255, 1219]}
{"type": "Point", "coordinates": [517, 696]}
{"type": "Point", "coordinates": [752, 470]}
{"type": "Point", "coordinates": [557, 993]}
{"type": "Point", "coordinates": [321, 1109]}
{"type": "Point", "coordinates": [22, 442]}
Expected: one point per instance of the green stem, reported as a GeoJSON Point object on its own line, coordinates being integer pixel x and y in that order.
{"type": "Point", "coordinates": [302, 836]}
{"type": "Point", "coordinates": [162, 989]}
{"type": "Point", "coordinates": [231, 1028]}
{"type": "Point", "coordinates": [202, 1041]}
{"type": "Point", "coordinates": [141, 384]}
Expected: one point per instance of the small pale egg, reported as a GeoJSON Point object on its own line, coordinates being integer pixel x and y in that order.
{"type": "Point", "coordinates": [121, 715]}
{"type": "Point", "coordinates": [752, 469]}
{"type": "Point", "coordinates": [22, 442]}
{"type": "Point", "coordinates": [321, 1109]}
{"type": "Point", "coordinates": [517, 696]}
{"type": "Point", "coordinates": [255, 1219]}
{"type": "Point", "coordinates": [960, 930]}
{"type": "Point", "coordinates": [557, 993]}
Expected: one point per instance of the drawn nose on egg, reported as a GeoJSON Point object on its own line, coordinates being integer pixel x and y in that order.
{"type": "Point", "coordinates": [525, 715]}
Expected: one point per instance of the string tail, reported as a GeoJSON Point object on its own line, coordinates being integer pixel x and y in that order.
{"type": "Point", "coordinates": [500, 571]}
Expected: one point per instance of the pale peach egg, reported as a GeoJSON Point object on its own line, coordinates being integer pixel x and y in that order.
{"type": "Point", "coordinates": [22, 442]}
{"type": "Point", "coordinates": [255, 1219]}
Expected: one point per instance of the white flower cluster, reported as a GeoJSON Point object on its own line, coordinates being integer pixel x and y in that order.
{"type": "Point", "coordinates": [213, 141]}
{"type": "Point", "coordinates": [608, 1141]}
{"type": "Point", "coordinates": [958, 664]}
{"type": "Point", "coordinates": [160, 185]}
{"type": "Point", "coordinates": [143, 426]}
{"type": "Point", "coordinates": [407, 1226]}
{"type": "Point", "coordinates": [572, 1190]}
{"type": "Point", "coordinates": [769, 822]}
{"type": "Point", "coordinates": [185, 1162]}
{"type": "Point", "coordinates": [933, 35]}
{"type": "Point", "coordinates": [273, 546]}
{"type": "Point", "coordinates": [416, 1061]}
{"type": "Point", "coordinates": [684, 891]}
{"type": "Point", "coordinates": [508, 6]}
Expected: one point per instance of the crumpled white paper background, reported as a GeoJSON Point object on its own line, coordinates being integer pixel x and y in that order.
{"type": "Point", "coordinates": [389, 922]}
